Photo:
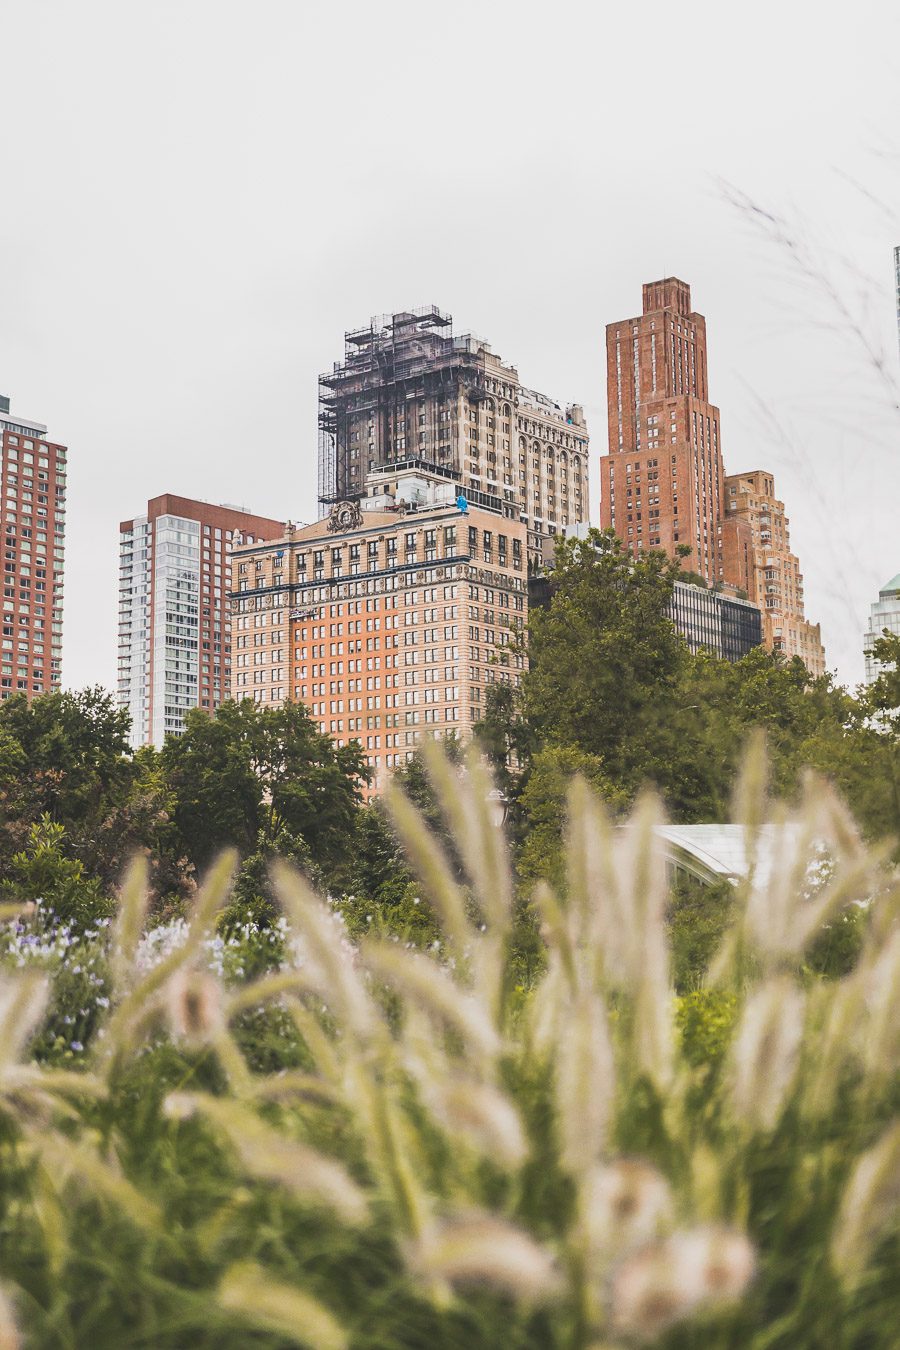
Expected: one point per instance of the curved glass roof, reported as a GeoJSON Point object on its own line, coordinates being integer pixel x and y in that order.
{"type": "Point", "coordinates": [713, 852]}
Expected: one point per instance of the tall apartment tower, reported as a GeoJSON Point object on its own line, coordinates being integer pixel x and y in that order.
{"type": "Point", "coordinates": [174, 613]}
{"type": "Point", "coordinates": [897, 286]}
{"type": "Point", "coordinates": [776, 582]}
{"type": "Point", "coordinates": [409, 391]}
{"type": "Point", "coordinates": [34, 537]}
{"type": "Point", "coordinates": [662, 482]}
{"type": "Point", "coordinates": [884, 615]}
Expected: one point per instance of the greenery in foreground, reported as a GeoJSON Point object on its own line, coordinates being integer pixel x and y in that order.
{"type": "Point", "coordinates": [281, 1137]}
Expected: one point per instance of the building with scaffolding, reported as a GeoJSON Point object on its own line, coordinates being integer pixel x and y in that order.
{"type": "Point", "coordinates": [408, 389]}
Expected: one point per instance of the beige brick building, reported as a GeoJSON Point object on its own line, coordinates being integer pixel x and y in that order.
{"type": "Point", "coordinates": [776, 582]}
{"type": "Point", "coordinates": [389, 619]}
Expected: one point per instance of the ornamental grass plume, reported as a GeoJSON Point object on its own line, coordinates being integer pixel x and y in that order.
{"type": "Point", "coordinates": [667, 1281]}
{"type": "Point", "coordinates": [9, 1331]}
{"type": "Point", "coordinates": [481, 1249]}
{"type": "Point", "coordinates": [268, 1154]}
{"type": "Point", "coordinates": [195, 1006]}
{"type": "Point", "coordinates": [369, 1145]}
{"type": "Point", "coordinates": [628, 1204]}
{"type": "Point", "coordinates": [869, 1206]}
{"type": "Point", "coordinates": [765, 1054]}
{"type": "Point", "coordinates": [250, 1294]}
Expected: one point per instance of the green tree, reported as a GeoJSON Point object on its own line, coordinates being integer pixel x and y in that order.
{"type": "Point", "coordinates": [604, 655]}
{"type": "Point", "coordinates": [542, 808]}
{"type": "Point", "coordinates": [42, 873]}
{"type": "Point", "coordinates": [883, 695]}
{"type": "Point", "coordinates": [251, 773]}
{"type": "Point", "coordinates": [611, 678]}
{"type": "Point", "coordinates": [378, 871]}
{"type": "Point", "coordinates": [65, 756]}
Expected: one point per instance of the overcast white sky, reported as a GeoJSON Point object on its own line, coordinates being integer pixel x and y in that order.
{"type": "Point", "coordinates": [199, 197]}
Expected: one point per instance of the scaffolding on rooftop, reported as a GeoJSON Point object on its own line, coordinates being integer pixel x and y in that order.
{"type": "Point", "coordinates": [394, 357]}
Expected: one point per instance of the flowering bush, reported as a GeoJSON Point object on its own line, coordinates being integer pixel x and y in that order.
{"type": "Point", "coordinates": [369, 1144]}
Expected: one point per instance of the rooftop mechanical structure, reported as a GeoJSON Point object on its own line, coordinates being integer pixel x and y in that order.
{"type": "Point", "coordinates": [363, 401]}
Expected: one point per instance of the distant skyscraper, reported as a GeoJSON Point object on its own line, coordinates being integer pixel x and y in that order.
{"type": "Point", "coordinates": [897, 287]}
{"type": "Point", "coordinates": [775, 582]}
{"type": "Point", "coordinates": [34, 484]}
{"type": "Point", "coordinates": [884, 614]}
{"type": "Point", "coordinates": [409, 391]}
{"type": "Point", "coordinates": [662, 482]}
{"type": "Point", "coordinates": [174, 616]}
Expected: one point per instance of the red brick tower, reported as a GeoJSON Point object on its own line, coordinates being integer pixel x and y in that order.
{"type": "Point", "coordinates": [662, 483]}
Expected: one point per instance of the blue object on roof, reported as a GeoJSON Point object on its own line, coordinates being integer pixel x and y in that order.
{"type": "Point", "coordinates": [462, 503]}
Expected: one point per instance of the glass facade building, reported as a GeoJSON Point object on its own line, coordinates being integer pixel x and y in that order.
{"type": "Point", "coordinates": [720, 623]}
{"type": "Point", "coordinates": [174, 620]}
{"type": "Point", "coordinates": [884, 614]}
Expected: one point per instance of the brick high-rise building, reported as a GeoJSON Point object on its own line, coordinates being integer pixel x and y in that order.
{"type": "Point", "coordinates": [389, 619]}
{"type": "Point", "coordinates": [662, 482]}
{"type": "Point", "coordinates": [34, 536]}
{"type": "Point", "coordinates": [776, 583]}
{"type": "Point", "coordinates": [174, 616]}
{"type": "Point", "coordinates": [408, 389]}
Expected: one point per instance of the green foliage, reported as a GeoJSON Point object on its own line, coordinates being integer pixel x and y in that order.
{"type": "Point", "coordinates": [705, 1018]}
{"type": "Point", "coordinates": [541, 807]}
{"type": "Point", "coordinates": [698, 917]}
{"type": "Point", "coordinates": [883, 695]}
{"type": "Point", "coordinates": [42, 874]}
{"type": "Point", "coordinates": [254, 772]}
{"type": "Point", "coordinates": [378, 870]}
{"type": "Point", "coordinates": [611, 679]}
{"type": "Point", "coordinates": [357, 1144]}
{"type": "Point", "coordinates": [602, 653]}
{"type": "Point", "coordinates": [64, 756]}
{"type": "Point", "coordinates": [254, 899]}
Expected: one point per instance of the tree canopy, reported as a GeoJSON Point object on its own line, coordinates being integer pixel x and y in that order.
{"type": "Point", "coordinates": [613, 689]}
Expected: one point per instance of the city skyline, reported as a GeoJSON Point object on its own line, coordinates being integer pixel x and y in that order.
{"type": "Point", "coordinates": [179, 274]}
